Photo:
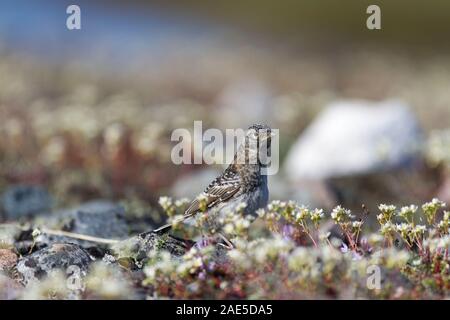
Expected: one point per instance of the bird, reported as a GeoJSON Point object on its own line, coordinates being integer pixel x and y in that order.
{"type": "Point", "coordinates": [242, 182]}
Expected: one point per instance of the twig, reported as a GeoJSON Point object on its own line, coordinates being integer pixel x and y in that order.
{"type": "Point", "coordinates": [78, 236]}
{"type": "Point", "coordinates": [66, 234]}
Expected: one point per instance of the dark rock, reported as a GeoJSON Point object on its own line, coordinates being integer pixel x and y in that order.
{"type": "Point", "coordinates": [136, 249]}
{"type": "Point", "coordinates": [26, 247]}
{"type": "Point", "coordinates": [23, 200]}
{"type": "Point", "coordinates": [58, 256]}
{"type": "Point", "coordinates": [100, 219]}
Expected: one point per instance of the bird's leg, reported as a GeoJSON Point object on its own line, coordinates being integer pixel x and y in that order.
{"type": "Point", "coordinates": [228, 244]}
{"type": "Point", "coordinates": [206, 239]}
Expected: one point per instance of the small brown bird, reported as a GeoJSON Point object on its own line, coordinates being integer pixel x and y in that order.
{"type": "Point", "coordinates": [241, 182]}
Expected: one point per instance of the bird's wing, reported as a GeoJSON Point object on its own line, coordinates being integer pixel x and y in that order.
{"type": "Point", "coordinates": [220, 190]}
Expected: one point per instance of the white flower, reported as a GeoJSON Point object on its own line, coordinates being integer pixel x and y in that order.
{"type": "Point", "coordinates": [261, 213]}
{"type": "Point", "coordinates": [302, 213]}
{"type": "Point", "coordinates": [181, 202]}
{"type": "Point", "coordinates": [386, 208]}
{"type": "Point", "coordinates": [408, 212]}
{"type": "Point", "coordinates": [228, 228]}
{"type": "Point", "coordinates": [165, 202]}
{"type": "Point", "coordinates": [403, 227]}
{"type": "Point", "coordinates": [387, 228]}
{"type": "Point", "coordinates": [387, 212]}
{"type": "Point", "coordinates": [317, 215]}
{"type": "Point", "coordinates": [241, 206]}
{"type": "Point", "coordinates": [357, 224]}
{"type": "Point", "coordinates": [431, 208]}
{"type": "Point", "coordinates": [274, 205]}
{"type": "Point", "coordinates": [419, 230]}
{"type": "Point", "coordinates": [340, 214]}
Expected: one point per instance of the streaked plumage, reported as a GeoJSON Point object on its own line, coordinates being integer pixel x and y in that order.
{"type": "Point", "coordinates": [241, 182]}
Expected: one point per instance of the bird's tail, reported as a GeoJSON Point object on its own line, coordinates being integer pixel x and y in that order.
{"type": "Point", "coordinates": [163, 229]}
{"type": "Point", "coordinates": [166, 228]}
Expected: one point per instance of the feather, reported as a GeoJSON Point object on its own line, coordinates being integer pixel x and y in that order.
{"type": "Point", "coordinates": [218, 191]}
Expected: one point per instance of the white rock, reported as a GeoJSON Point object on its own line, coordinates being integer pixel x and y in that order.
{"type": "Point", "coordinates": [356, 137]}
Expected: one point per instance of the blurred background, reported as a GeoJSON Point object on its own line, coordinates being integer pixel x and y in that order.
{"type": "Point", "coordinates": [364, 115]}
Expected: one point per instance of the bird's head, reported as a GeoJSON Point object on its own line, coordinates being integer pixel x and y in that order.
{"type": "Point", "coordinates": [259, 134]}
{"type": "Point", "coordinates": [256, 145]}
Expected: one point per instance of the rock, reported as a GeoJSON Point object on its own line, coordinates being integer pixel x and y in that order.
{"type": "Point", "coordinates": [356, 137]}
{"type": "Point", "coordinates": [70, 258]}
{"type": "Point", "coordinates": [133, 253]}
{"type": "Point", "coordinates": [136, 250]}
{"type": "Point", "coordinates": [25, 200]}
{"type": "Point", "coordinates": [9, 233]}
{"type": "Point", "coordinates": [191, 185]}
{"type": "Point", "coordinates": [8, 259]}
{"type": "Point", "coordinates": [100, 219]}
{"type": "Point", "coordinates": [9, 289]}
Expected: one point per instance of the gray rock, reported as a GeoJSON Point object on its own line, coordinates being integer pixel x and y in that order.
{"type": "Point", "coordinates": [68, 257]}
{"type": "Point", "coordinates": [133, 253]}
{"type": "Point", "coordinates": [100, 219]}
{"type": "Point", "coordinates": [356, 137]}
{"type": "Point", "coordinates": [137, 249]}
{"type": "Point", "coordinates": [9, 233]}
{"type": "Point", "coordinates": [25, 200]}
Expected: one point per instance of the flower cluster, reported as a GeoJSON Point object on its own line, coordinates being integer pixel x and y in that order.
{"type": "Point", "coordinates": [174, 209]}
{"type": "Point", "coordinates": [430, 209]}
{"type": "Point", "coordinates": [403, 223]}
{"type": "Point", "coordinates": [279, 266]}
{"type": "Point", "coordinates": [444, 224]}
{"type": "Point", "coordinates": [302, 218]}
{"type": "Point", "coordinates": [351, 228]}
{"type": "Point", "coordinates": [341, 215]}
{"type": "Point", "coordinates": [235, 223]}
